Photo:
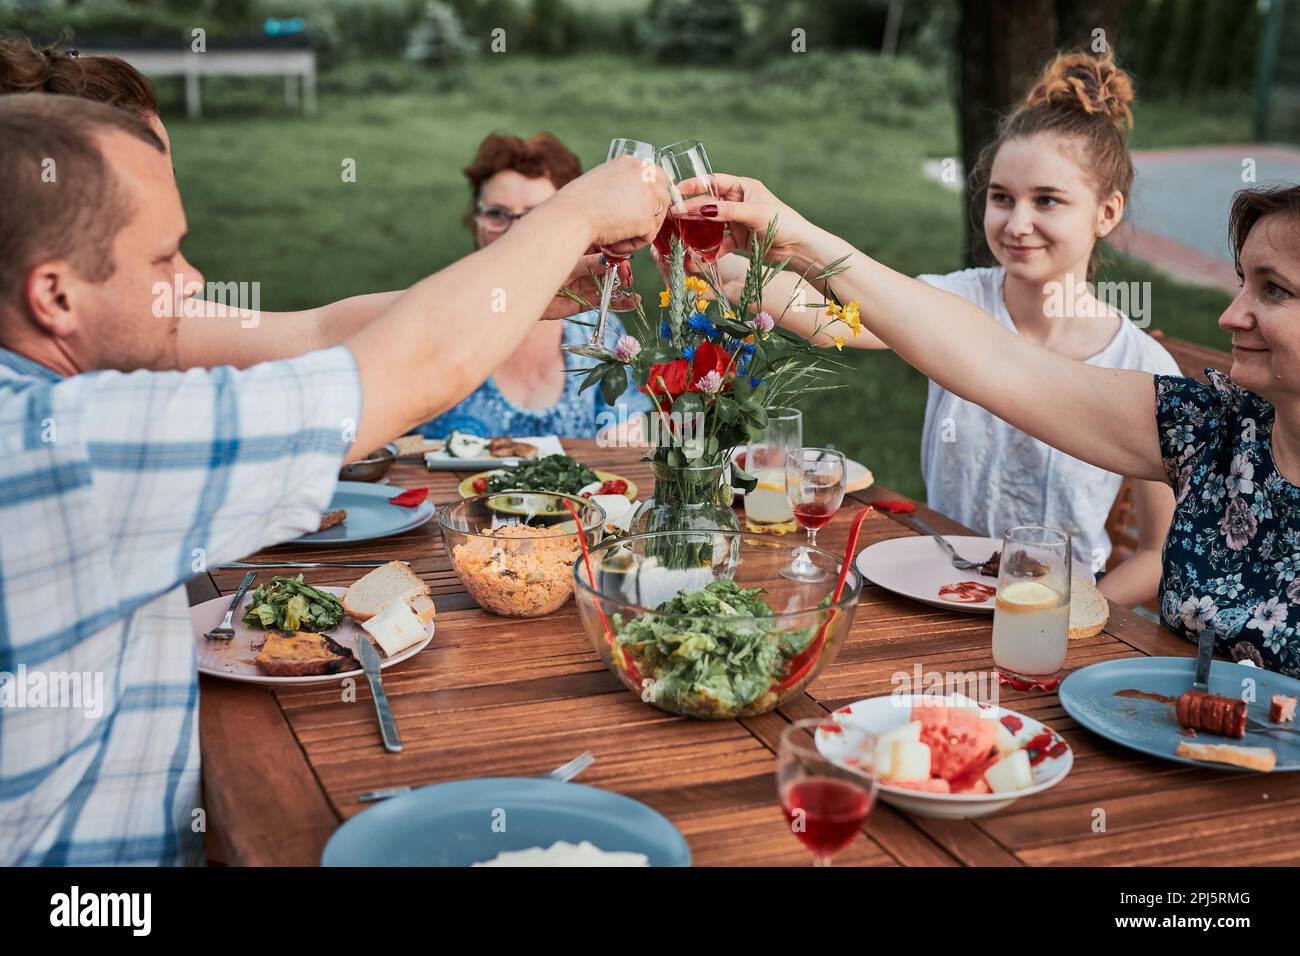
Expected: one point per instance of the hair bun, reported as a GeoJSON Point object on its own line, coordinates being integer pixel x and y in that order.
{"type": "Point", "coordinates": [1087, 84]}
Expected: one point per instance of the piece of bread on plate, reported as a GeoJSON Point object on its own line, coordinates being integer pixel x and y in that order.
{"type": "Point", "coordinates": [1263, 759]}
{"type": "Point", "coordinates": [384, 585]}
{"type": "Point", "coordinates": [1089, 609]}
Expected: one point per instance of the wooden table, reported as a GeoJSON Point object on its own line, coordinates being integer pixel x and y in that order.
{"type": "Point", "coordinates": [498, 696]}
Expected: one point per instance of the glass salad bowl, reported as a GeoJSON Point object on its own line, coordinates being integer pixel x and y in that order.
{"type": "Point", "coordinates": [514, 551]}
{"type": "Point", "coordinates": [700, 623]}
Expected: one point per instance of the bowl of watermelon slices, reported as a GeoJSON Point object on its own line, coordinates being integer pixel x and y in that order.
{"type": "Point", "coordinates": [949, 756]}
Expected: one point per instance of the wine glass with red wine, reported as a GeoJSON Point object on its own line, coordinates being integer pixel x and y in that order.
{"type": "Point", "coordinates": [825, 801]}
{"type": "Point", "coordinates": [613, 298]}
{"type": "Point", "coordinates": [814, 483]}
{"type": "Point", "coordinates": [690, 186]}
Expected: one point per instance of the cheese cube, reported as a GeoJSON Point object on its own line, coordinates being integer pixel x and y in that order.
{"type": "Point", "coordinates": [1010, 773]}
{"type": "Point", "coordinates": [883, 762]}
{"type": "Point", "coordinates": [910, 731]}
{"type": "Point", "coordinates": [1004, 740]}
{"type": "Point", "coordinates": [395, 628]}
{"type": "Point", "coordinates": [910, 761]}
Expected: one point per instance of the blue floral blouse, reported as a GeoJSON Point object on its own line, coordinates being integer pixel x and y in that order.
{"type": "Point", "coordinates": [1232, 555]}
{"type": "Point", "coordinates": [577, 414]}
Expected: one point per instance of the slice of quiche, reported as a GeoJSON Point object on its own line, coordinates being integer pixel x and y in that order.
{"type": "Point", "coordinates": [303, 654]}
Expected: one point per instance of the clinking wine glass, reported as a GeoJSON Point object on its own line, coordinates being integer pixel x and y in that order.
{"type": "Point", "coordinates": [1031, 614]}
{"type": "Point", "coordinates": [691, 185]}
{"type": "Point", "coordinates": [825, 800]}
{"type": "Point", "coordinates": [814, 483]}
{"type": "Point", "coordinates": [613, 298]}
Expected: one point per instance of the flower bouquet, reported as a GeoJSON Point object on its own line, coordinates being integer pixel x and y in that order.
{"type": "Point", "coordinates": [712, 372]}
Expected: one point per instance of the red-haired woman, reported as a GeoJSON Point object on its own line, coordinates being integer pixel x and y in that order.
{"type": "Point", "coordinates": [535, 391]}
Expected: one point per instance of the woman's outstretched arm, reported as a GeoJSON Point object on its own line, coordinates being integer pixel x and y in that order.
{"type": "Point", "coordinates": [1102, 416]}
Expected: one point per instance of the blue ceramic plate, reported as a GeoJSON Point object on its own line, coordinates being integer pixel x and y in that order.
{"type": "Point", "coordinates": [452, 824]}
{"type": "Point", "coordinates": [1148, 726]}
{"type": "Point", "coordinates": [370, 516]}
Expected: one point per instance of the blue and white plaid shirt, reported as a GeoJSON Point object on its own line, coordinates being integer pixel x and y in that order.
{"type": "Point", "coordinates": [114, 490]}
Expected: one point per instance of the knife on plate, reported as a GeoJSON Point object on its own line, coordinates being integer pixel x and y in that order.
{"type": "Point", "coordinates": [387, 725]}
{"type": "Point", "coordinates": [1204, 653]}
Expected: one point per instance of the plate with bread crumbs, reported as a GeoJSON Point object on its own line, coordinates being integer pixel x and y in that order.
{"type": "Point", "coordinates": [1135, 703]}
{"type": "Point", "coordinates": [394, 606]}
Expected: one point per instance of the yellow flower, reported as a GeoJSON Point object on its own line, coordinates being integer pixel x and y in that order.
{"type": "Point", "coordinates": [728, 313]}
{"type": "Point", "coordinates": [851, 315]}
{"type": "Point", "coordinates": [697, 285]}
{"type": "Point", "coordinates": [839, 342]}
{"type": "Point", "coordinates": [749, 338]}
{"type": "Point", "coordinates": [833, 309]}
{"type": "Point", "coordinates": [701, 305]}
{"type": "Point", "coordinates": [664, 298]}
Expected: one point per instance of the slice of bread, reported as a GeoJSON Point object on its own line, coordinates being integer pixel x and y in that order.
{"type": "Point", "coordinates": [1252, 758]}
{"type": "Point", "coordinates": [1089, 609]}
{"type": "Point", "coordinates": [391, 582]}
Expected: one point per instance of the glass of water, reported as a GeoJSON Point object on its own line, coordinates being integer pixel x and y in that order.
{"type": "Point", "coordinates": [1031, 616]}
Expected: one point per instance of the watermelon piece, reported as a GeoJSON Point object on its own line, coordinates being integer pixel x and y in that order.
{"type": "Point", "coordinates": [972, 780]}
{"type": "Point", "coordinates": [933, 785]}
{"type": "Point", "coordinates": [958, 737]}
{"type": "Point", "coordinates": [971, 784]}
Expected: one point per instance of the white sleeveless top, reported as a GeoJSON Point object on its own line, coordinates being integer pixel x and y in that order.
{"type": "Point", "coordinates": [990, 476]}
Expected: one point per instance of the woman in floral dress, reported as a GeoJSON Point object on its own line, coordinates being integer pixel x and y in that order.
{"type": "Point", "coordinates": [1229, 449]}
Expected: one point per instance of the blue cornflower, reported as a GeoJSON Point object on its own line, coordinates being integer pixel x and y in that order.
{"type": "Point", "coordinates": [700, 323]}
{"type": "Point", "coordinates": [688, 353]}
{"type": "Point", "coordinates": [755, 382]}
{"type": "Point", "coordinates": [665, 330]}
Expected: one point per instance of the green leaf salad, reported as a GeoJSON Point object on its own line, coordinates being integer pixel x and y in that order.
{"type": "Point", "coordinates": [712, 653]}
{"type": "Point", "coordinates": [290, 604]}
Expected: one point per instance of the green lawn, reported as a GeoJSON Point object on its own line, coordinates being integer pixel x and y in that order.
{"type": "Point", "coordinates": [842, 140]}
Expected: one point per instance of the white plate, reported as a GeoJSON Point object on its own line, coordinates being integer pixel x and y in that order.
{"type": "Point", "coordinates": [233, 659]}
{"type": "Point", "coordinates": [915, 567]}
{"type": "Point", "coordinates": [441, 461]}
{"type": "Point", "coordinates": [877, 715]}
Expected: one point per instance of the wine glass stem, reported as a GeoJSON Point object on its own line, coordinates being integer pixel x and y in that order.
{"type": "Point", "coordinates": [606, 293]}
{"type": "Point", "coordinates": [812, 537]}
{"type": "Point", "coordinates": [821, 861]}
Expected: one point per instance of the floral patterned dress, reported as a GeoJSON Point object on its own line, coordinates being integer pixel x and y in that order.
{"type": "Point", "coordinates": [1232, 555]}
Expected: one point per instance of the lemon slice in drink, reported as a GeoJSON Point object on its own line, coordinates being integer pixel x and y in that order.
{"type": "Point", "coordinates": [1028, 594]}
{"type": "Point", "coordinates": [770, 486]}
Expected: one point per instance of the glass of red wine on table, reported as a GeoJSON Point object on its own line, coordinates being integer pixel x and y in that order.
{"type": "Point", "coordinates": [613, 298]}
{"type": "Point", "coordinates": [825, 801]}
{"type": "Point", "coordinates": [814, 483]}
{"type": "Point", "coordinates": [690, 186]}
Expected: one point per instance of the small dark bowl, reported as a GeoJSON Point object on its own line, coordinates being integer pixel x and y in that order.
{"type": "Point", "coordinates": [371, 468]}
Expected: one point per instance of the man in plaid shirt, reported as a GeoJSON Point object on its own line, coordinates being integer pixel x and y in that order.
{"type": "Point", "coordinates": [121, 475]}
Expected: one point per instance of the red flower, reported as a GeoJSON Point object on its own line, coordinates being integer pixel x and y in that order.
{"type": "Point", "coordinates": [710, 358]}
{"type": "Point", "coordinates": [670, 377]}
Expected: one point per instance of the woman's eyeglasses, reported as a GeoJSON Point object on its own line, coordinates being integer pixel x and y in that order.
{"type": "Point", "coordinates": [495, 218]}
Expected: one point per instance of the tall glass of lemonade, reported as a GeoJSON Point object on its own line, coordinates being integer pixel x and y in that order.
{"type": "Point", "coordinates": [1031, 616]}
{"type": "Point", "coordinates": [767, 507]}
